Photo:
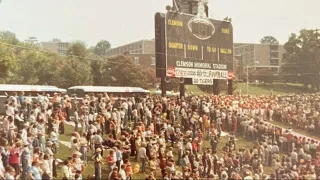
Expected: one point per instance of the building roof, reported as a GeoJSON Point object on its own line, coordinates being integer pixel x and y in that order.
{"type": "Point", "coordinates": [109, 89]}
{"type": "Point", "coordinates": [143, 40]}
{"type": "Point", "coordinates": [36, 88]}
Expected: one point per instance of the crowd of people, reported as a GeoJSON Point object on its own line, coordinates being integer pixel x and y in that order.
{"type": "Point", "coordinates": [154, 137]}
{"type": "Point", "coordinates": [299, 111]}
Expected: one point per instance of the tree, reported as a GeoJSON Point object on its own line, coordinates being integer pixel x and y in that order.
{"type": "Point", "coordinates": [121, 71]}
{"type": "Point", "coordinates": [99, 68]}
{"type": "Point", "coordinates": [72, 72]}
{"type": "Point", "coordinates": [269, 40]}
{"type": "Point", "coordinates": [151, 75]}
{"type": "Point", "coordinates": [101, 47]}
{"type": "Point", "coordinates": [8, 37]}
{"type": "Point", "coordinates": [78, 49]}
{"type": "Point", "coordinates": [8, 62]}
{"type": "Point", "coordinates": [301, 61]}
{"type": "Point", "coordinates": [31, 62]}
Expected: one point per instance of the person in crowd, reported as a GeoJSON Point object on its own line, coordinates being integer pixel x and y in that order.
{"type": "Point", "coordinates": [97, 158]}
{"type": "Point", "coordinates": [147, 134]}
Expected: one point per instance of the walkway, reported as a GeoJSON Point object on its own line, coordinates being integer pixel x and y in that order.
{"type": "Point", "coordinates": [293, 133]}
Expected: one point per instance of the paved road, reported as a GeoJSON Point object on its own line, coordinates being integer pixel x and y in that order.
{"type": "Point", "coordinates": [294, 133]}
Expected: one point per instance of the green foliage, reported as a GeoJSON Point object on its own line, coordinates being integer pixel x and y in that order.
{"type": "Point", "coordinates": [25, 63]}
{"type": "Point", "coordinates": [101, 47]}
{"type": "Point", "coordinates": [97, 72]}
{"type": "Point", "coordinates": [269, 40]}
{"type": "Point", "coordinates": [151, 75]}
{"type": "Point", "coordinates": [8, 62]}
{"type": "Point", "coordinates": [32, 65]}
{"type": "Point", "coordinates": [121, 71]}
{"type": "Point", "coordinates": [301, 62]}
{"type": "Point", "coordinates": [78, 49]}
{"type": "Point", "coordinates": [8, 37]}
{"type": "Point", "coordinates": [72, 72]}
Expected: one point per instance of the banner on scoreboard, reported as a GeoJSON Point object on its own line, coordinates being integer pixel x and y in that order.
{"type": "Point", "coordinates": [197, 73]}
{"type": "Point", "coordinates": [204, 81]}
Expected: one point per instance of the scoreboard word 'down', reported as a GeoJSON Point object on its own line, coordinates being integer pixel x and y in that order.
{"type": "Point", "coordinates": [193, 47]}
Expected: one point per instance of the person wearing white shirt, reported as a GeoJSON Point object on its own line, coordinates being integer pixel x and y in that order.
{"type": "Point", "coordinates": [122, 114]}
{"type": "Point", "coordinates": [41, 98]}
{"type": "Point", "coordinates": [24, 133]}
{"type": "Point", "coordinates": [206, 108]}
{"type": "Point", "coordinates": [46, 167]}
{"type": "Point", "coordinates": [18, 120]}
{"type": "Point", "coordinates": [125, 105]}
{"type": "Point", "coordinates": [148, 116]}
{"type": "Point", "coordinates": [275, 148]}
{"type": "Point", "coordinates": [114, 115]}
{"type": "Point", "coordinates": [10, 110]}
{"type": "Point", "coordinates": [102, 105]}
{"type": "Point", "coordinates": [122, 172]}
{"type": "Point", "coordinates": [32, 117]}
{"type": "Point", "coordinates": [294, 157]}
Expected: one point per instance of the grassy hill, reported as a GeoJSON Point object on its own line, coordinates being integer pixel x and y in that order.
{"type": "Point", "coordinates": [267, 89]}
{"type": "Point", "coordinates": [254, 89]}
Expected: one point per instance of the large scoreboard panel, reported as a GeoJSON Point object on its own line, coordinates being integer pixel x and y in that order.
{"type": "Point", "coordinates": [197, 48]}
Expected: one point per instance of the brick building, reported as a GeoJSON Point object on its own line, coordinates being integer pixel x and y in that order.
{"type": "Point", "coordinates": [146, 60]}
{"type": "Point", "coordinates": [56, 46]}
{"type": "Point", "coordinates": [259, 54]}
{"type": "Point", "coordinates": [139, 47]}
{"type": "Point", "coordinates": [260, 61]}
{"type": "Point", "coordinates": [260, 57]}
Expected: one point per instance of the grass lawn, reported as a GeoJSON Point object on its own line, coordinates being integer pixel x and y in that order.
{"type": "Point", "coordinates": [266, 89]}
{"type": "Point", "coordinates": [254, 89]}
{"type": "Point", "coordinates": [64, 153]}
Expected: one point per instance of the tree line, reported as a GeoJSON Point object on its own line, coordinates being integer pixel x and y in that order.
{"type": "Point", "coordinates": [301, 61]}
{"type": "Point", "coordinates": [27, 63]}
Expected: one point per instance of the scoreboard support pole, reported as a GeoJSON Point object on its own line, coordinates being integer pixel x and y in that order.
{"type": "Point", "coordinates": [182, 89]}
{"type": "Point", "coordinates": [163, 86]}
{"type": "Point", "coordinates": [215, 88]}
{"type": "Point", "coordinates": [230, 87]}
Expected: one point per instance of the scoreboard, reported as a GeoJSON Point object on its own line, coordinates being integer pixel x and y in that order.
{"type": "Point", "coordinates": [195, 47]}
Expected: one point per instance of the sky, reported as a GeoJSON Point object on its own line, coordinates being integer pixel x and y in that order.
{"type": "Point", "coordinates": [124, 21]}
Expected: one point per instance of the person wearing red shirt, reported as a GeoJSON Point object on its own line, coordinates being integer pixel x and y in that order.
{"type": "Point", "coordinates": [195, 147]}
{"type": "Point", "coordinates": [14, 157]}
{"type": "Point", "coordinates": [111, 160]}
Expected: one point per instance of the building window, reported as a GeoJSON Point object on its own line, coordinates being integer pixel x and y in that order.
{"type": "Point", "coordinates": [274, 47]}
{"type": "Point", "coordinates": [274, 55]}
{"type": "Point", "coordinates": [153, 61]}
{"type": "Point", "coordinates": [62, 46]}
{"type": "Point", "coordinates": [252, 55]}
{"type": "Point", "coordinates": [136, 60]}
{"type": "Point", "coordinates": [63, 52]}
{"type": "Point", "coordinates": [274, 62]}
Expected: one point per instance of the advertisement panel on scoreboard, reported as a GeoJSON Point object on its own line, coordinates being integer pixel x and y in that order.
{"type": "Point", "coordinates": [198, 47]}
{"type": "Point", "coordinates": [196, 73]}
